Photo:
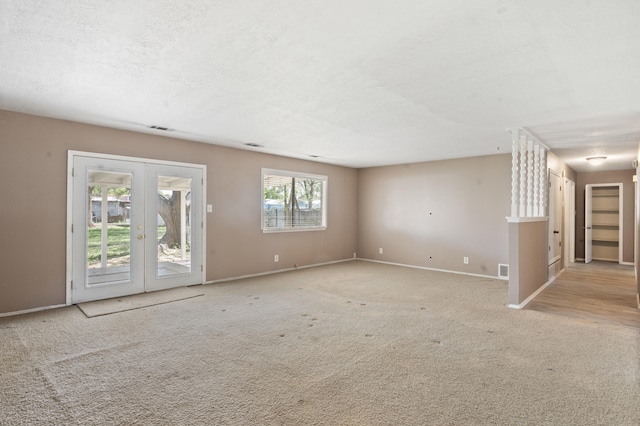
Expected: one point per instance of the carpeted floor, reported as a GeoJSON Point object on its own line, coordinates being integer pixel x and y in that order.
{"type": "Point", "coordinates": [355, 343]}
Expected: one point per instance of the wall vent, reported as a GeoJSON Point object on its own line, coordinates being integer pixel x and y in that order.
{"type": "Point", "coordinates": [503, 270]}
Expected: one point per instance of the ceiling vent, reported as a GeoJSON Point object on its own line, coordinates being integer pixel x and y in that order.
{"type": "Point", "coordinates": [164, 129]}
{"type": "Point", "coordinates": [161, 128]}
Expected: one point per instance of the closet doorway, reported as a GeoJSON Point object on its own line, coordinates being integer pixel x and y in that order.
{"type": "Point", "coordinates": [603, 222]}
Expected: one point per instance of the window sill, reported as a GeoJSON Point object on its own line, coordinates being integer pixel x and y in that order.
{"type": "Point", "coordinates": [299, 229]}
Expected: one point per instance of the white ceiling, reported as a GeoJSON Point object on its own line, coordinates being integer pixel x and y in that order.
{"type": "Point", "coordinates": [356, 82]}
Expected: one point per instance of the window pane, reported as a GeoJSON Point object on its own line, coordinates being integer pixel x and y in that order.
{"type": "Point", "coordinates": [108, 229]}
{"type": "Point", "coordinates": [174, 226]}
{"type": "Point", "coordinates": [292, 202]}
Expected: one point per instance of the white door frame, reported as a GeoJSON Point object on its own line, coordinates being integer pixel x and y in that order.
{"type": "Point", "coordinates": [569, 221]}
{"type": "Point", "coordinates": [555, 206]}
{"type": "Point", "coordinates": [69, 246]}
{"type": "Point", "coordinates": [588, 240]}
{"type": "Point", "coordinates": [588, 225]}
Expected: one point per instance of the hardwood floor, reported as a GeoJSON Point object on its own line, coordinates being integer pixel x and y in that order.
{"type": "Point", "coordinates": [599, 291]}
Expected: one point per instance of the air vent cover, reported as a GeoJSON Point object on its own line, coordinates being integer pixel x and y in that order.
{"type": "Point", "coordinates": [503, 270]}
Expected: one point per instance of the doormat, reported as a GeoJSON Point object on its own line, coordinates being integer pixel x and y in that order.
{"type": "Point", "coordinates": [137, 301]}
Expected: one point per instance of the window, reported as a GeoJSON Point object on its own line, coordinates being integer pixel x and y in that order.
{"type": "Point", "coordinates": [293, 201]}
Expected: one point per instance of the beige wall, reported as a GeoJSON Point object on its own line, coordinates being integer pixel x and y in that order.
{"type": "Point", "coordinates": [528, 259]}
{"type": "Point", "coordinates": [435, 213]}
{"type": "Point", "coordinates": [33, 166]}
{"type": "Point", "coordinates": [636, 256]}
{"type": "Point", "coordinates": [426, 214]}
{"type": "Point", "coordinates": [624, 176]}
{"type": "Point", "coordinates": [557, 165]}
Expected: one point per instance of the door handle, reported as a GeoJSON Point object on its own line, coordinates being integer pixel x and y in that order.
{"type": "Point", "coordinates": [140, 236]}
{"type": "Point", "coordinates": [556, 232]}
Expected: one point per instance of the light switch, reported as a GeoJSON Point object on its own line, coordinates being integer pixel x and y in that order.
{"type": "Point", "coordinates": [209, 208]}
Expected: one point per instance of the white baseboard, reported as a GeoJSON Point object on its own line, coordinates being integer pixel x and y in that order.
{"type": "Point", "coordinates": [580, 259]}
{"type": "Point", "coordinates": [44, 308]}
{"type": "Point", "coordinates": [277, 271]}
{"type": "Point", "coordinates": [436, 270]}
{"type": "Point", "coordinates": [349, 260]}
{"type": "Point", "coordinates": [28, 311]}
{"type": "Point", "coordinates": [533, 295]}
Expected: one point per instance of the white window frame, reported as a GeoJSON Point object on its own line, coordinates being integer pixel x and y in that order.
{"type": "Point", "coordinates": [297, 175]}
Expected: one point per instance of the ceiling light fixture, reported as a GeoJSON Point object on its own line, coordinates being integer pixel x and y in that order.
{"type": "Point", "coordinates": [596, 161]}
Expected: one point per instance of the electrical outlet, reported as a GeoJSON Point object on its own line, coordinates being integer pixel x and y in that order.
{"type": "Point", "coordinates": [380, 250]}
{"type": "Point", "coordinates": [465, 260]}
{"type": "Point", "coordinates": [276, 258]}
{"type": "Point", "coordinates": [354, 254]}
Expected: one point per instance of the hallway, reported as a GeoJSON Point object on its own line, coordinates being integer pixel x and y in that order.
{"type": "Point", "coordinates": [602, 292]}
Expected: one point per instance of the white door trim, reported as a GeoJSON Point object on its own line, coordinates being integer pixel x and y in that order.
{"type": "Point", "coordinates": [555, 205]}
{"type": "Point", "coordinates": [588, 224]}
{"type": "Point", "coordinates": [569, 221]}
{"type": "Point", "coordinates": [588, 221]}
{"type": "Point", "coordinates": [71, 154]}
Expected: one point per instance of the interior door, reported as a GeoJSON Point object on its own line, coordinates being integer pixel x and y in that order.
{"type": "Point", "coordinates": [108, 228]}
{"type": "Point", "coordinates": [588, 224]}
{"type": "Point", "coordinates": [555, 217]}
{"type": "Point", "coordinates": [136, 226]}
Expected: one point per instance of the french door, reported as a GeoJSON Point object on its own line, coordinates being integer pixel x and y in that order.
{"type": "Point", "coordinates": [136, 226]}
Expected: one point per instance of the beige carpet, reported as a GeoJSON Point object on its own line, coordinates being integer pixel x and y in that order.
{"type": "Point", "coordinates": [348, 344]}
{"type": "Point", "coordinates": [137, 301]}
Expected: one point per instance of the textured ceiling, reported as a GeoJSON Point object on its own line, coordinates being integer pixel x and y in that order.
{"type": "Point", "coordinates": [357, 83]}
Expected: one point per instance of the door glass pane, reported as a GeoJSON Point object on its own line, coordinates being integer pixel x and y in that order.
{"type": "Point", "coordinates": [108, 227]}
{"type": "Point", "coordinates": [174, 226]}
